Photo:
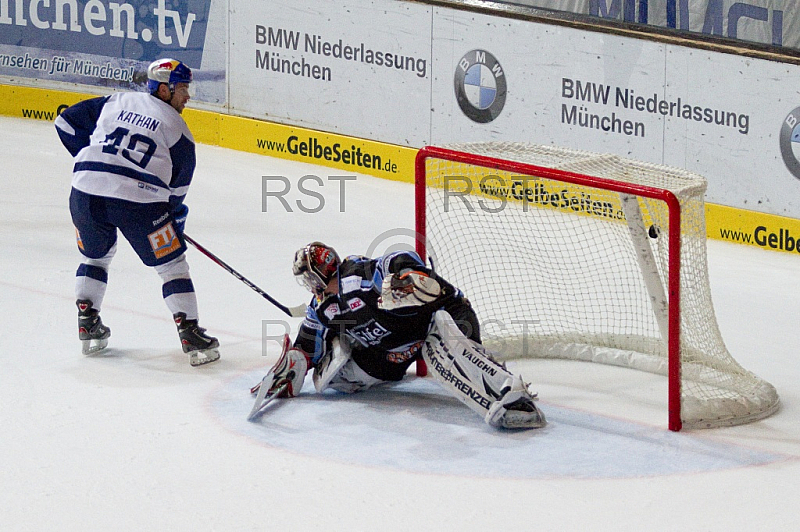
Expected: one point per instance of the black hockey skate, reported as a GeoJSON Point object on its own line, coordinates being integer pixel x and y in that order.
{"type": "Point", "coordinates": [91, 331]}
{"type": "Point", "coordinates": [201, 347]}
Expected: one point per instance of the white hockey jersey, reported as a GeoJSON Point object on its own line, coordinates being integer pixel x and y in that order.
{"type": "Point", "coordinates": [130, 146]}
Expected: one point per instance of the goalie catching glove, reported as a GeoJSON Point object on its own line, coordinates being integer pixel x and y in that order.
{"type": "Point", "coordinates": [408, 288]}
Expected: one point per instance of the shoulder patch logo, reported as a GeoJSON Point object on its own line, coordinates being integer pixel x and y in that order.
{"type": "Point", "coordinates": [331, 311]}
{"type": "Point", "coordinates": [351, 284]}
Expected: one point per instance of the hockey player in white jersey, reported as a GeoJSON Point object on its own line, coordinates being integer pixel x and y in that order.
{"type": "Point", "coordinates": [370, 319]}
{"type": "Point", "coordinates": [134, 161]}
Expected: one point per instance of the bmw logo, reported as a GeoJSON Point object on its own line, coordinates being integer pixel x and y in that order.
{"type": "Point", "coordinates": [480, 85]}
{"type": "Point", "coordinates": [790, 142]}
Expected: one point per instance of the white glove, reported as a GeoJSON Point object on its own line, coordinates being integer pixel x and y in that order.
{"type": "Point", "coordinates": [408, 289]}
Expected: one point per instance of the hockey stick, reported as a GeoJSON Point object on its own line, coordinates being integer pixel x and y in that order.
{"type": "Point", "coordinates": [295, 312]}
{"type": "Point", "coordinates": [262, 399]}
{"type": "Point", "coordinates": [261, 389]}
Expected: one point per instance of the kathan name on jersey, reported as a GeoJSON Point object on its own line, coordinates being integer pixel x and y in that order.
{"type": "Point", "coordinates": [139, 120]}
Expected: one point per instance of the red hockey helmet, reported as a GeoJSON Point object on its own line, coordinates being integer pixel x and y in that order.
{"type": "Point", "coordinates": [315, 265]}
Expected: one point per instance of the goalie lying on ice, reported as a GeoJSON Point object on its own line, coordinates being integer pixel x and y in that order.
{"type": "Point", "coordinates": [370, 319]}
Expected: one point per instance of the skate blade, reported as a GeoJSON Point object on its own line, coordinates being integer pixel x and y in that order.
{"type": "Point", "coordinates": [89, 347]}
{"type": "Point", "coordinates": [203, 356]}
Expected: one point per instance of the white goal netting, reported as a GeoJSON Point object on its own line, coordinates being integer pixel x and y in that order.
{"type": "Point", "coordinates": [558, 268]}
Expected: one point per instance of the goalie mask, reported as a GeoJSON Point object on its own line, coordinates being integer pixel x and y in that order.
{"type": "Point", "coordinates": [315, 265]}
{"type": "Point", "coordinates": [169, 71]}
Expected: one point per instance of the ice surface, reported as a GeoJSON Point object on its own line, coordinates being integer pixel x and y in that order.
{"type": "Point", "coordinates": [136, 439]}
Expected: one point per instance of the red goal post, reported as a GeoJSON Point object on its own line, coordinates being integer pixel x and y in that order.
{"type": "Point", "coordinates": [571, 194]}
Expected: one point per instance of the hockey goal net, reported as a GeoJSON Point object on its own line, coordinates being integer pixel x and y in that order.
{"type": "Point", "coordinates": [569, 254]}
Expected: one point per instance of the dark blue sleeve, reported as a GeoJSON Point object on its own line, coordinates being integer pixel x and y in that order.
{"type": "Point", "coordinates": [313, 337]}
{"type": "Point", "coordinates": [183, 162]}
{"type": "Point", "coordinates": [175, 203]}
{"type": "Point", "coordinates": [402, 260]}
{"type": "Point", "coordinates": [82, 119]}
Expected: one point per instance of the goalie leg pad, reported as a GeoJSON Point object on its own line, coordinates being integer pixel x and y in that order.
{"type": "Point", "coordinates": [463, 367]}
{"type": "Point", "coordinates": [472, 375]}
{"type": "Point", "coordinates": [331, 364]}
{"type": "Point", "coordinates": [351, 379]}
{"type": "Point", "coordinates": [290, 369]}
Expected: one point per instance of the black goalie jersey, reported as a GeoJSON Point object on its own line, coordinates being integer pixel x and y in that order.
{"type": "Point", "coordinates": [385, 343]}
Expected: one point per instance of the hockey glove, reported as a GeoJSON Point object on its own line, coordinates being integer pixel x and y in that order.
{"type": "Point", "coordinates": [179, 215]}
{"type": "Point", "coordinates": [290, 369]}
{"type": "Point", "coordinates": [408, 289]}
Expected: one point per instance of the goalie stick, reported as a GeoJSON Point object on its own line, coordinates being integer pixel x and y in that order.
{"type": "Point", "coordinates": [295, 312]}
{"type": "Point", "coordinates": [262, 388]}
{"type": "Point", "coordinates": [262, 399]}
